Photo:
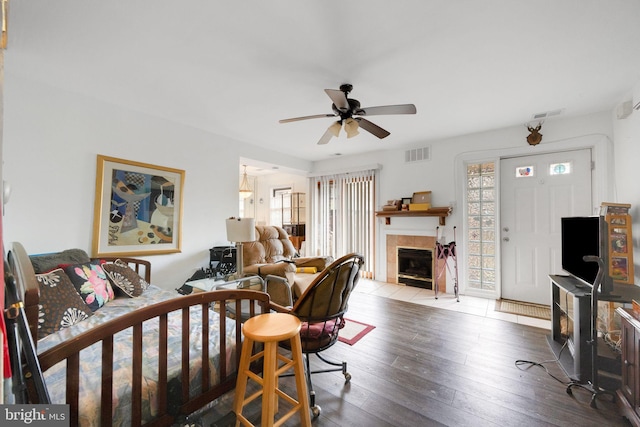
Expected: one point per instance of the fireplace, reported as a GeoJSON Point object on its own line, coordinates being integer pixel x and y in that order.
{"type": "Point", "coordinates": [425, 243]}
{"type": "Point", "coordinates": [415, 267]}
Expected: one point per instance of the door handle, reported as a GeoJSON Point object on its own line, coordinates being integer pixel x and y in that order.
{"type": "Point", "coordinates": [506, 229]}
{"type": "Point", "coordinates": [506, 239]}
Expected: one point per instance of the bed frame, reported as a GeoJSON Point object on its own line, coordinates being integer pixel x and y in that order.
{"type": "Point", "coordinates": [27, 285]}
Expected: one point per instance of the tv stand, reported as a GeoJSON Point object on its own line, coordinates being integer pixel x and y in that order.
{"type": "Point", "coordinates": [571, 326]}
{"type": "Point", "coordinates": [572, 298]}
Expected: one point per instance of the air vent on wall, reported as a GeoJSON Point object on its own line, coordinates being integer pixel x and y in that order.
{"type": "Point", "coordinates": [546, 114]}
{"type": "Point", "coordinates": [417, 154]}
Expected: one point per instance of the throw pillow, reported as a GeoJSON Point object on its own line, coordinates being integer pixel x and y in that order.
{"type": "Point", "coordinates": [124, 279]}
{"type": "Point", "coordinates": [91, 282]}
{"type": "Point", "coordinates": [60, 304]}
{"type": "Point", "coordinates": [47, 262]}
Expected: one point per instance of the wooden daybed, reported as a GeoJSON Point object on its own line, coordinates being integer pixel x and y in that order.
{"type": "Point", "coordinates": [153, 365]}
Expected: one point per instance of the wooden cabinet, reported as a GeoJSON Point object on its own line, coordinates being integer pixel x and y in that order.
{"type": "Point", "coordinates": [293, 208]}
{"type": "Point", "coordinates": [293, 217]}
{"type": "Point", "coordinates": [619, 241]}
{"type": "Point", "coordinates": [297, 241]}
{"type": "Point", "coordinates": [629, 392]}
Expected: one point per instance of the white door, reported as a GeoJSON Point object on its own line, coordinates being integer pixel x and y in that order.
{"type": "Point", "coordinates": [536, 191]}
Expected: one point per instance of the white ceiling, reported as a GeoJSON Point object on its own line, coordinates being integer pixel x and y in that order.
{"type": "Point", "coordinates": [235, 68]}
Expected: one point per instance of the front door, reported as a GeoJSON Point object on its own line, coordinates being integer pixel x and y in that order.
{"type": "Point", "coordinates": [536, 191]}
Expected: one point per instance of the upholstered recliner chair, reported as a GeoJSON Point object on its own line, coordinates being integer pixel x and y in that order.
{"type": "Point", "coordinates": [272, 253]}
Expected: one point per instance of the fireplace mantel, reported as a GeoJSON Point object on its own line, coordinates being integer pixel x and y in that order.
{"type": "Point", "coordinates": [442, 213]}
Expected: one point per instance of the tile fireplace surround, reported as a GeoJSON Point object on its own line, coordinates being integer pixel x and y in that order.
{"type": "Point", "coordinates": [419, 242]}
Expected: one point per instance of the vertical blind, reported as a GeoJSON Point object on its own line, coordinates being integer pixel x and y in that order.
{"type": "Point", "coordinates": [343, 216]}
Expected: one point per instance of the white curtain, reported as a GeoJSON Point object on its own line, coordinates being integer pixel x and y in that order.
{"type": "Point", "coordinates": [343, 216]}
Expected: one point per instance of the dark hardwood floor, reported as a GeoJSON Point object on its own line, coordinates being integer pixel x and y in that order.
{"type": "Point", "coordinates": [425, 366]}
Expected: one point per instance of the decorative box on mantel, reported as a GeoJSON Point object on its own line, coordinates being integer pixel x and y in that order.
{"type": "Point", "coordinates": [421, 201]}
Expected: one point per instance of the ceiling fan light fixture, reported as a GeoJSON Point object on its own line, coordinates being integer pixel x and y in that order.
{"type": "Point", "coordinates": [351, 127]}
{"type": "Point", "coordinates": [245, 189]}
{"type": "Point", "coordinates": [345, 108]}
{"type": "Point", "coordinates": [335, 128]}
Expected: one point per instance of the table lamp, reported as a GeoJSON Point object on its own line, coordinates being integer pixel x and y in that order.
{"type": "Point", "coordinates": [240, 230]}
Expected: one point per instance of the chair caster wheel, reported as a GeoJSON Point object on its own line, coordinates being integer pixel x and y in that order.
{"type": "Point", "coordinates": [315, 411]}
{"type": "Point", "coordinates": [347, 377]}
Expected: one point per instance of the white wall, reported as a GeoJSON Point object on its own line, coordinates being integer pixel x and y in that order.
{"type": "Point", "coordinates": [444, 177]}
{"type": "Point", "coordinates": [626, 159]}
{"type": "Point", "coordinates": [51, 140]}
{"type": "Point", "coordinates": [258, 205]}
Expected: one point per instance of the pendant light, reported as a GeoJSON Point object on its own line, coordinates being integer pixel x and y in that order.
{"type": "Point", "coordinates": [245, 190]}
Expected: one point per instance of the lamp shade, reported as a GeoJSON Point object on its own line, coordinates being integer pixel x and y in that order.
{"type": "Point", "coordinates": [241, 229]}
{"type": "Point", "coordinates": [351, 127]}
{"type": "Point", "coordinates": [335, 128]}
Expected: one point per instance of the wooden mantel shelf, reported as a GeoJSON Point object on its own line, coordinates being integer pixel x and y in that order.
{"type": "Point", "coordinates": [442, 213]}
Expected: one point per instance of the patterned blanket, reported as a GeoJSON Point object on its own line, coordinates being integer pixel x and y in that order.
{"type": "Point", "coordinates": [90, 358]}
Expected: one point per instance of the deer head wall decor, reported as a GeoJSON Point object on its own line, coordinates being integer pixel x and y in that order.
{"type": "Point", "coordinates": [535, 136]}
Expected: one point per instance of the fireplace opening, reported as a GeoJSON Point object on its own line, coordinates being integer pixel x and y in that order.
{"type": "Point", "coordinates": [415, 267]}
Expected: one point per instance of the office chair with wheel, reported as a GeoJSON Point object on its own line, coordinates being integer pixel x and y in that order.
{"type": "Point", "coordinates": [321, 309]}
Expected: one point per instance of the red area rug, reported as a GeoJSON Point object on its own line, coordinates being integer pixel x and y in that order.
{"type": "Point", "coordinates": [353, 331]}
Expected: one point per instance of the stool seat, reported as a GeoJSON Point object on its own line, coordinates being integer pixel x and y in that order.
{"type": "Point", "coordinates": [270, 329]}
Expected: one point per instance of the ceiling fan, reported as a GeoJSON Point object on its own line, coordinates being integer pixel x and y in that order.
{"type": "Point", "coordinates": [349, 112]}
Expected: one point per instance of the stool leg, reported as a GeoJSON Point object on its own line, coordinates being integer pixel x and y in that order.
{"type": "Point", "coordinates": [241, 382]}
{"type": "Point", "coordinates": [301, 382]}
{"type": "Point", "coordinates": [269, 395]}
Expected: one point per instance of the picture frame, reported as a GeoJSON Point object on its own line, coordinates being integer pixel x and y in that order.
{"type": "Point", "coordinates": [138, 208]}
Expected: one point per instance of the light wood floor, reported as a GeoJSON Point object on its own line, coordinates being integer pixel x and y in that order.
{"type": "Point", "coordinates": [427, 366]}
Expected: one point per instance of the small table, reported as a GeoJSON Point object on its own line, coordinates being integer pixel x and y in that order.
{"type": "Point", "coordinates": [248, 282]}
{"type": "Point", "coordinates": [206, 284]}
{"type": "Point", "coordinates": [211, 283]}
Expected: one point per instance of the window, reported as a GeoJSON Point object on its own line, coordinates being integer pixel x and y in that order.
{"type": "Point", "coordinates": [275, 205]}
{"type": "Point", "coordinates": [343, 214]}
{"type": "Point", "coordinates": [525, 171]}
{"type": "Point", "coordinates": [563, 168]}
{"type": "Point", "coordinates": [481, 224]}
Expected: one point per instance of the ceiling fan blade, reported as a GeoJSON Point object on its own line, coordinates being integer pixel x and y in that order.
{"type": "Point", "coordinates": [386, 109]}
{"type": "Point", "coordinates": [372, 128]}
{"type": "Point", "coordinates": [339, 99]}
{"type": "Point", "coordinates": [326, 137]}
{"type": "Point", "coordinates": [295, 119]}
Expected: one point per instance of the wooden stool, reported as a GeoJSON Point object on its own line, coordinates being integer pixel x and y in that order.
{"type": "Point", "coordinates": [270, 329]}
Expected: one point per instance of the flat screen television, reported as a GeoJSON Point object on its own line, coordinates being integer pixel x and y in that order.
{"type": "Point", "coordinates": [580, 237]}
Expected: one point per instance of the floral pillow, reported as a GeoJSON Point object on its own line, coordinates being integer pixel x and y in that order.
{"type": "Point", "coordinates": [123, 278]}
{"type": "Point", "coordinates": [60, 304]}
{"type": "Point", "coordinates": [91, 282]}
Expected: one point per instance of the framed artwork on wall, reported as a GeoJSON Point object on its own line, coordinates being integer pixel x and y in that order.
{"type": "Point", "coordinates": [138, 208]}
